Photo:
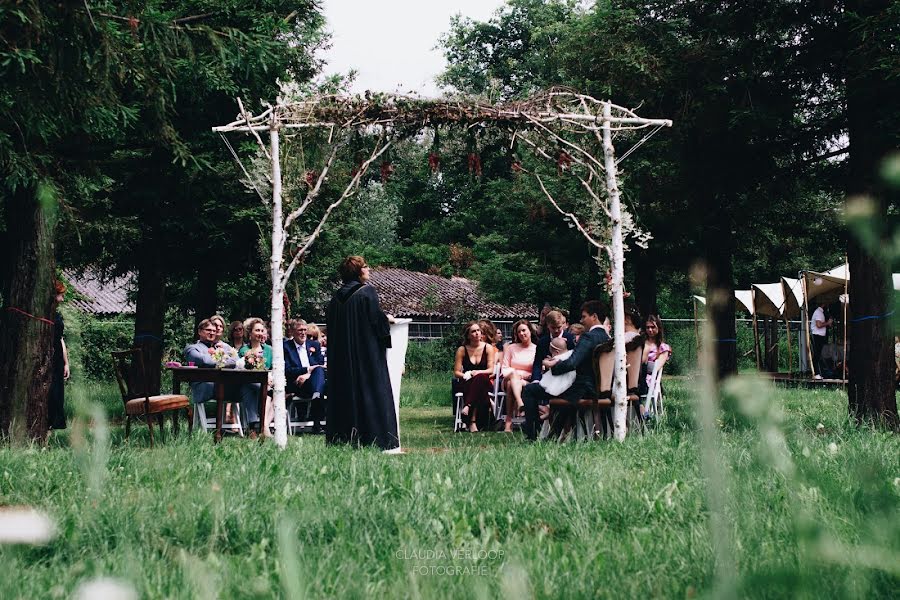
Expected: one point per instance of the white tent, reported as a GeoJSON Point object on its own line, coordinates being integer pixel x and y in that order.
{"type": "Point", "coordinates": [768, 299]}
{"type": "Point", "coordinates": [793, 297]}
{"type": "Point", "coordinates": [826, 287]}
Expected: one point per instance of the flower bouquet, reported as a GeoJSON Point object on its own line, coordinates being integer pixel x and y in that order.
{"type": "Point", "coordinates": [255, 361]}
{"type": "Point", "coordinates": [221, 355]}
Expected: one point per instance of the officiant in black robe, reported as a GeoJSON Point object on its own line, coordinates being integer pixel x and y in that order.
{"type": "Point", "coordinates": [360, 402]}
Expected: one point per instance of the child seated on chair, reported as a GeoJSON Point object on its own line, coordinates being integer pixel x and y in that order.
{"type": "Point", "coordinates": [557, 384]}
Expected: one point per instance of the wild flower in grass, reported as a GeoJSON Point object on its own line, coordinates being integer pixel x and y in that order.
{"type": "Point", "coordinates": [105, 588]}
{"type": "Point", "coordinates": [25, 525]}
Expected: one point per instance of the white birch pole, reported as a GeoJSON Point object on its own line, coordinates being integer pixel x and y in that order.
{"type": "Point", "coordinates": [277, 318]}
{"type": "Point", "coordinates": [620, 408]}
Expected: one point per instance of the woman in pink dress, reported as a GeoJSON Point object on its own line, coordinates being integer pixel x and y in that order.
{"type": "Point", "coordinates": [518, 360]}
{"type": "Point", "coordinates": [656, 350]}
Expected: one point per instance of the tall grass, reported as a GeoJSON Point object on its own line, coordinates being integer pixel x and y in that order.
{"type": "Point", "coordinates": [809, 510]}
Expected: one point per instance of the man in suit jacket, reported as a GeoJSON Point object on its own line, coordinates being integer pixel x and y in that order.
{"type": "Point", "coordinates": [595, 318]}
{"type": "Point", "coordinates": [304, 369]}
{"type": "Point", "coordinates": [555, 327]}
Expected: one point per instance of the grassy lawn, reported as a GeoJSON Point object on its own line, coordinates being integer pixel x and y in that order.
{"type": "Point", "coordinates": [808, 511]}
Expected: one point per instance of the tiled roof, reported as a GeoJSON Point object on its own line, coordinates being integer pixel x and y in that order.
{"type": "Point", "coordinates": [100, 297]}
{"type": "Point", "coordinates": [402, 293]}
{"type": "Point", "coordinates": [409, 293]}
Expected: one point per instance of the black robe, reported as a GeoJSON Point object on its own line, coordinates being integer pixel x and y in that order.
{"type": "Point", "coordinates": [56, 411]}
{"type": "Point", "coordinates": [360, 402]}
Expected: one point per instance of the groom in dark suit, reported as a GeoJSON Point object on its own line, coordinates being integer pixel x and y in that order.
{"type": "Point", "coordinates": [304, 369]}
{"type": "Point", "coordinates": [595, 318]}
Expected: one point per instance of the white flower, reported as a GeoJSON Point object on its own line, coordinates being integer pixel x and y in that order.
{"type": "Point", "coordinates": [25, 525]}
{"type": "Point", "coordinates": [105, 588]}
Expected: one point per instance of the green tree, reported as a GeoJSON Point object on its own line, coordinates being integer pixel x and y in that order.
{"type": "Point", "coordinates": [197, 227]}
{"type": "Point", "coordinates": [731, 75]}
{"type": "Point", "coordinates": [110, 107]}
{"type": "Point", "coordinates": [872, 71]}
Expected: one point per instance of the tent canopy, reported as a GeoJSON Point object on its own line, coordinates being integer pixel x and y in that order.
{"type": "Point", "coordinates": [744, 300]}
{"type": "Point", "coordinates": [784, 299]}
{"type": "Point", "coordinates": [826, 287]}
{"type": "Point", "coordinates": [793, 297]}
{"type": "Point", "coordinates": [768, 298]}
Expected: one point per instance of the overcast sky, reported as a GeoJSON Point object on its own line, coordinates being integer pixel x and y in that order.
{"type": "Point", "coordinates": [391, 42]}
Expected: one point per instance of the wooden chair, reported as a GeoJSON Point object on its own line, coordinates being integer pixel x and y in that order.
{"type": "Point", "coordinates": [634, 355]}
{"type": "Point", "coordinates": [588, 413]}
{"type": "Point", "coordinates": [132, 377]}
{"type": "Point", "coordinates": [604, 370]}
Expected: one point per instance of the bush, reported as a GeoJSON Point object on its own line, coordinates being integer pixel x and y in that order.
{"type": "Point", "coordinates": [98, 339]}
{"type": "Point", "coordinates": [431, 355]}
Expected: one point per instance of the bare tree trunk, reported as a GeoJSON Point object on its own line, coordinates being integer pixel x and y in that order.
{"type": "Point", "coordinates": [277, 306]}
{"type": "Point", "coordinates": [26, 342]}
{"type": "Point", "coordinates": [645, 281]}
{"type": "Point", "coordinates": [873, 135]}
{"type": "Point", "coordinates": [150, 315]}
{"type": "Point", "coordinates": [720, 300]}
{"type": "Point", "coordinates": [619, 390]}
{"type": "Point", "coordinates": [206, 298]}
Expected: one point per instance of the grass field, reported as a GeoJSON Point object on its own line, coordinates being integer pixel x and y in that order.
{"type": "Point", "coordinates": [809, 511]}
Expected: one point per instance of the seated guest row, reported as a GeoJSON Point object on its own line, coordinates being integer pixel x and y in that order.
{"type": "Point", "coordinates": [304, 360]}
{"type": "Point", "coordinates": [562, 356]}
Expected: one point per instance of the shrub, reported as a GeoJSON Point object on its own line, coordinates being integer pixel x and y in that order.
{"type": "Point", "coordinates": [98, 339]}
{"type": "Point", "coordinates": [431, 355]}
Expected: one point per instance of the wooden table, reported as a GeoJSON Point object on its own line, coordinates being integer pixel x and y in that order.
{"type": "Point", "coordinates": [220, 378]}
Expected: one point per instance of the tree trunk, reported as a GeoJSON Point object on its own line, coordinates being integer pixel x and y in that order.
{"type": "Point", "coordinates": [645, 281]}
{"type": "Point", "coordinates": [277, 305]}
{"type": "Point", "coordinates": [873, 135]}
{"type": "Point", "coordinates": [206, 302]}
{"type": "Point", "coordinates": [26, 342]}
{"type": "Point", "coordinates": [150, 315]}
{"type": "Point", "coordinates": [720, 303]}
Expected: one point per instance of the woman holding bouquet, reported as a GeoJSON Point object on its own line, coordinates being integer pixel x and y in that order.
{"type": "Point", "coordinates": [257, 355]}
{"type": "Point", "coordinates": [256, 347]}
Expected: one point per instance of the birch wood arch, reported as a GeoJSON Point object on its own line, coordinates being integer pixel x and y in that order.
{"type": "Point", "coordinates": [571, 130]}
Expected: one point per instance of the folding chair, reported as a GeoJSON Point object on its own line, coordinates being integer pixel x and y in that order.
{"type": "Point", "coordinates": [458, 424]}
{"type": "Point", "coordinates": [298, 413]}
{"type": "Point", "coordinates": [653, 399]}
{"type": "Point", "coordinates": [209, 423]}
{"type": "Point", "coordinates": [498, 399]}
